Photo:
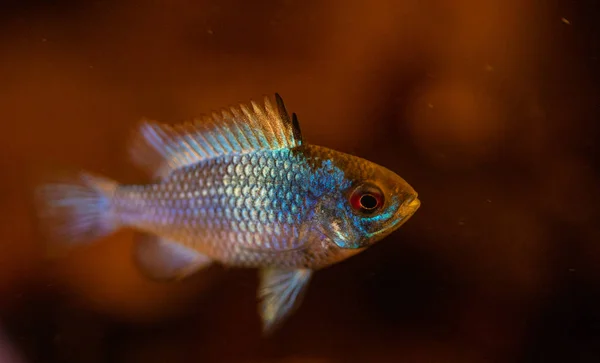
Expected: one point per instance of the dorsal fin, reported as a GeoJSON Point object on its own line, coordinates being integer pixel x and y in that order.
{"type": "Point", "coordinates": [162, 148]}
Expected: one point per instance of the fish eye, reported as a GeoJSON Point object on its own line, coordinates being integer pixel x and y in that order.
{"type": "Point", "coordinates": [366, 199]}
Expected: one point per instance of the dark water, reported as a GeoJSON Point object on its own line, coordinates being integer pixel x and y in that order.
{"type": "Point", "coordinates": [489, 109]}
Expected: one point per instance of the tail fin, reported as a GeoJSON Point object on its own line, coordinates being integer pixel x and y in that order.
{"type": "Point", "coordinates": [77, 209]}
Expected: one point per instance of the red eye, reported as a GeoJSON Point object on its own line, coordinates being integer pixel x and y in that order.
{"type": "Point", "coordinates": [366, 199]}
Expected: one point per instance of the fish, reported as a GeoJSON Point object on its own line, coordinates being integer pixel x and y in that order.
{"type": "Point", "coordinates": [237, 187]}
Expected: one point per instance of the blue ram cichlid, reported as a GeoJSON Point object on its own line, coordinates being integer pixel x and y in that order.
{"type": "Point", "coordinates": [238, 187]}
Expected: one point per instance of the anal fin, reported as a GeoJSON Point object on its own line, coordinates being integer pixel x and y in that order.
{"type": "Point", "coordinates": [164, 260]}
{"type": "Point", "coordinates": [281, 292]}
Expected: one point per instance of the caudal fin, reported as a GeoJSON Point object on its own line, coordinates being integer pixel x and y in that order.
{"type": "Point", "coordinates": [77, 209]}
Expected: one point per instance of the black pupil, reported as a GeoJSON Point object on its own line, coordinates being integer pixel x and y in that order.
{"type": "Point", "coordinates": [368, 201]}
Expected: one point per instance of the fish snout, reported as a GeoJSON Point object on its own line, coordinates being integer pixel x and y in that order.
{"type": "Point", "coordinates": [413, 202]}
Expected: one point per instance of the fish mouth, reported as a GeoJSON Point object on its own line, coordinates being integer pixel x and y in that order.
{"type": "Point", "coordinates": [403, 214]}
{"type": "Point", "coordinates": [406, 210]}
{"type": "Point", "coordinates": [412, 204]}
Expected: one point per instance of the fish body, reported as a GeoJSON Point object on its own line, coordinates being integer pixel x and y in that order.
{"type": "Point", "coordinates": [253, 210]}
{"type": "Point", "coordinates": [242, 189]}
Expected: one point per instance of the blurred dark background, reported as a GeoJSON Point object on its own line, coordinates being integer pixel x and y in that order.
{"type": "Point", "coordinates": [489, 109]}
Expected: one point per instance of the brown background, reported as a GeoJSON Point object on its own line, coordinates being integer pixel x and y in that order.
{"type": "Point", "coordinates": [489, 109]}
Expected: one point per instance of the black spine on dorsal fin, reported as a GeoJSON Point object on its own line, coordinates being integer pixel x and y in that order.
{"type": "Point", "coordinates": [281, 108]}
{"type": "Point", "coordinates": [293, 122]}
{"type": "Point", "coordinates": [296, 127]}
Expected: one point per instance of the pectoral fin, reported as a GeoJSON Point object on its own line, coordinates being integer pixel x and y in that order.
{"type": "Point", "coordinates": [164, 260]}
{"type": "Point", "coordinates": [281, 292]}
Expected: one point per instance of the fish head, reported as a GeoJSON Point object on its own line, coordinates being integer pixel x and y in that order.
{"type": "Point", "coordinates": [367, 203]}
